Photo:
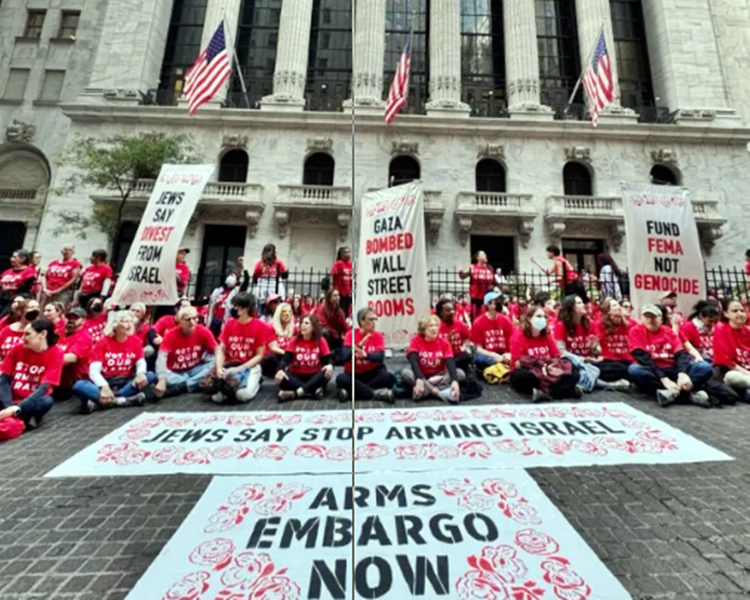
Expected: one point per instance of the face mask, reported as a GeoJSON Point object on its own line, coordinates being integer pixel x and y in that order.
{"type": "Point", "coordinates": [234, 313]}
{"type": "Point", "coordinates": [31, 315]}
{"type": "Point", "coordinates": [539, 323]}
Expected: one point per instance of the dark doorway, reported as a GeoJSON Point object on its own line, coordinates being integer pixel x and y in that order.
{"type": "Point", "coordinates": [582, 253]}
{"type": "Point", "coordinates": [500, 251]}
{"type": "Point", "coordinates": [222, 244]}
{"type": "Point", "coordinates": [128, 229]}
{"type": "Point", "coordinates": [12, 234]}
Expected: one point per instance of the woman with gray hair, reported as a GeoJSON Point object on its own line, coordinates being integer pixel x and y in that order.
{"type": "Point", "coordinates": [117, 371]}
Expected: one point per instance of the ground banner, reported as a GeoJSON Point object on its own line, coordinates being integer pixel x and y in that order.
{"type": "Point", "coordinates": [392, 264]}
{"type": "Point", "coordinates": [664, 250]}
{"type": "Point", "coordinates": [556, 435]}
{"type": "Point", "coordinates": [490, 534]}
{"type": "Point", "coordinates": [149, 274]}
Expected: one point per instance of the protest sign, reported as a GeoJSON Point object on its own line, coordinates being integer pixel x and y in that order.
{"type": "Point", "coordinates": [149, 273]}
{"type": "Point", "coordinates": [490, 534]}
{"type": "Point", "coordinates": [392, 265]}
{"type": "Point", "coordinates": [556, 435]}
{"type": "Point", "coordinates": [664, 250]}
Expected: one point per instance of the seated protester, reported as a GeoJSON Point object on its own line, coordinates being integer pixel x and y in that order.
{"type": "Point", "coordinates": [332, 319]}
{"type": "Point", "coordinates": [491, 333]}
{"type": "Point", "coordinates": [167, 322]}
{"type": "Point", "coordinates": [53, 312]}
{"type": "Point", "coordinates": [15, 313]}
{"type": "Point", "coordinates": [96, 319]}
{"type": "Point", "coordinates": [433, 371]}
{"type": "Point", "coordinates": [12, 335]}
{"type": "Point", "coordinates": [372, 381]}
{"type": "Point", "coordinates": [283, 332]}
{"type": "Point", "coordinates": [76, 345]}
{"type": "Point", "coordinates": [308, 305]}
{"type": "Point", "coordinates": [531, 350]}
{"type": "Point", "coordinates": [668, 301]}
{"type": "Point", "coordinates": [20, 278]}
{"type": "Point", "coordinates": [269, 307]}
{"type": "Point", "coordinates": [117, 369]}
{"type": "Point", "coordinates": [663, 368]}
{"type": "Point", "coordinates": [732, 348]}
{"type": "Point", "coordinates": [220, 304]}
{"type": "Point", "coordinates": [517, 309]}
{"type": "Point", "coordinates": [185, 355]}
{"type": "Point", "coordinates": [455, 332]}
{"type": "Point", "coordinates": [142, 327]}
{"type": "Point", "coordinates": [306, 367]}
{"type": "Point", "coordinates": [298, 310]}
{"type": "Point", "coordinates": [29, 374]}
{"type": "Point", "coordinates": [612, 331]}
{"type": "Point", "coordinates": [697, 332]}
{"type": "Point", "coordinates": [242, 344]}
{"type": "Point", "coordinates": [573, 331]}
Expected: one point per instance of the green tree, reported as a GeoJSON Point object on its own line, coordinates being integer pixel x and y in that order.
{"type": "Point", "coordinates": [114, 164]}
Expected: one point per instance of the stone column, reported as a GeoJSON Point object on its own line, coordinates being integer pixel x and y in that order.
{"type": "Point", "coordinates": [445, 60]}
{"type": "Point", "coordinates": [369, 54]}
{"type": "Point", "coordinates": [216, 12]}
{"type": "Point", "coordinates": [291, 57]}
{"type": "Point", "coordinates": [522, 60]}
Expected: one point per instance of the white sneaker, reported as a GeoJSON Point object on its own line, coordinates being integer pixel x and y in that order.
{"type": "Point", "coordinates": [218, 398]}
{"type": "Point", "coordinates": [623, 385]}
{"type": "Point", "coordinates": [243, 396]}
{"type": "Point", "coordinates": [665, 397]}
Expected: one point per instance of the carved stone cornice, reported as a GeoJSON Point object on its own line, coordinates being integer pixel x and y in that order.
{"type": "Point", "coordinates": [343, 219]}
{"type": "Point", "coordinates": [252, 216]}
{"type": "Point", "coordinates": [282, 222]}
{"type": "Point", "coordinates": [578, 154]}
{"type": "Point", "coordinates": [19, 132]}
{"type": "Point", "coordinates": [465, 224]}
{"type": "Point", "coordinates": [319, 144]}
{"type": "Point", "coordinates": [491, 151]}
{"type": "Point", "coordinates": [664, 156]}
{"type": "Point", "coordinates": [234, 141]}
{"type": "Point", "coordinates": [405, 148]}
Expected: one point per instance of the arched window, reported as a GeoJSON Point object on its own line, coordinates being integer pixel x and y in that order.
{"type": "Point", "coordinates": [577, 180]}
{"type": "Point", "coordinates": [233, 166]}
{"type": "Point", "coordinates": [663, 175]}
{"type": "Point", "coordinates": [490, 176]}
{"type": "Point", "coordinates": [318, 169]}
{"type": "Point", "coordinates": [403, 169]}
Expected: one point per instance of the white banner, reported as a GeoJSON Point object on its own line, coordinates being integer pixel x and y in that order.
{"type": "Point", "coordinates": [664, 250]}
{"type": "Point", "coordinates": [491, 535]}
{"type": "Point", "coordinates": [556, 435]}
{"type": "Point", "coordinates": [149, 274]}
{"type": "Point", "coordinates": [391, 272]}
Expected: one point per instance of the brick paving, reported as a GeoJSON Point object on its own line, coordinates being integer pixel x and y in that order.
{"type": "Point", "coordinates": [666, 531]}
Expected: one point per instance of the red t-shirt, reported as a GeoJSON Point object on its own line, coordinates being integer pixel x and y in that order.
{"type": "Point", "coordinates": [482, 281]}
{"type": "Point", "coordinates": [80, 344]}
{"type": "Point", "coordinates": [29, 369]}
{"type": "Point", "coordinates": [308, 355]}
{"type": "Point", "coordinates": [60, 272]}
{"type": "Point", "coordinates": [341, 276]}
{"type": "Point", "coordinates": [579, 343]}
{"type": "Point", "coordinates": [662, 345]}
{"type": "Point", "coordinates": [614, 345]}
{"type": "Point", "coordinates": [95, 326]}
{"type": "Point", "coordinates": [542, 346]}
{"type": "Point", "coordinates": [183, 274]}
{"type": "Point", "coordinates": [165, 324]}
{"type": "Point", "coordinates": [456, 334]}
{"type": "Point", "coordinates": [375, 342]}
{"type": "Point", "coordinates": [220, 304]}
{"type": "Point", "coordinates": [567, 272]}
{"type": "Point", "coordinates": [186, 351]}
{"type": "Point", "coordinates": [702, 343]}
{"type": "Point", "coordinates": [93, 278]}
{"type": "Point", "coordinates": [9, 339]}
{"type": "Point", "coordinates": [432, 355]}
{"type": "Point", "coordinates": [12, 280]}
{"type": "Point", "coordinates": [268, 271]}
{"type": "Point", "coordinates": [492, 334]}
{"type": "Point", "coordinates": [60, 326]}
{"type": "Point", "coordinates": [241, 342]}
{"type": "Point", "coordinates": [732, 346]}
{"type": "Point", "coordinates": [283, 341]}
{"type": "Point", "coordinates": [118, 358]}
{"type": "Point", "coordinates": [747, 267]}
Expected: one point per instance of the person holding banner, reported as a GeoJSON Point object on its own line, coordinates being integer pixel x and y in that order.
{"type": "Point", "coordinates": [482, 280]}
{"type": "Point", "coordinates": [565, 274]}
{"type": "Point", "coordinates": [306, 367]}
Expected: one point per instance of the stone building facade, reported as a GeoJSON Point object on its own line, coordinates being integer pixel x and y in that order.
{"type": "Point", "coordinates": [505, 167]}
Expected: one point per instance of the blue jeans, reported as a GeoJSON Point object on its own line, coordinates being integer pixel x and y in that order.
{"type": "Point", "coordinates": [482, 361]}
{"type": "Point", "coordinates": [647, 381]}
{"type": "Point", "coordinates": [87, 390]}
{"type": "Point", "coordinates": [190, 378]}
{"type": "Point", "coordinates": [35, 408]}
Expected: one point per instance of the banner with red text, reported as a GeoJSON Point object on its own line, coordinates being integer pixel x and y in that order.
{"type": "Point", "coordinates": [392, 266]}
{"type": "Point", "coordinates": [149, 273]}
{"type": "Point", "coordinates": [664, 250]}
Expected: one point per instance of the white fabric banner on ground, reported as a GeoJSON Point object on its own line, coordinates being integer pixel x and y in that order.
{"type": "Point", "coordinates": [490, 534]}
{"type": "Point", "coordinates": [515, 437]}
{"type": "Point", "coordinates": [149, 273]}
{"type": "Point", "coordinates": [664, 250]}
{"type": "Point", "coordinates": [392, 264]}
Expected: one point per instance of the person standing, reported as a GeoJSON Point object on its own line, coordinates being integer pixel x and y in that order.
{"type": "Point", "coordinates": [96, 278]}
{"type": "Point", "coordinates": [565, 274]}
{"type": "Point", "coordinates": [58, 283]}
{"type": "Point", "coordinates": [482, 280]}
{"type": "Point", "coordinates": [268, 273]}
{"type": "Point", "coordinates": [341, 278]}
{"type": "Point", "coordinates": [183, 270]}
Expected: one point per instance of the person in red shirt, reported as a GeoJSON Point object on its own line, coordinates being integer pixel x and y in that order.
{"type": "Point", "coordinates": [432, 371]}
{"type": "Point", "coordinates": [96, 319]}
{"type": "Point", "coordinates": [76, 345]}
{"type": "Point", "coordinates": [284, 330]}
{"type": "Point", "coordinates": [306, 367]}
{"type": "Point", "coordinates": [662, 366]}
{"type": "Point", "coordinates": [268, 274]}
{"type": "Point", "coordinates": [298, 309]}
{"type": "Point", "coordinates": [19, 279]}
{"type": "Point", "coordinates": [573, 331]}
{"type": "Point", "coordinates": [117, 370]}
{"type": "Point", "coordinates": [242, 344]}
{"type": "Point", "coordinates": [58, 283]}
{"type": "Point", "coordinates": [15, 313]}
{"type": "Point", "coordinates": [732, 348]}
{"type": "Point", "coordinates": [372, 380]}
{"type": "Point", "coordinates": [491, 334]}
{"type": "Point", "coordinates": [481, 280]}
{"type": "Point", "coordinates": [332, 319]}
{"type": "Point", "coordinates": [220, 304]}
{"type": "Point", "coordinates": [697, 332]}
{"type": "Point", "coordinates": [96, 278]}
{"type": "Point", "coordinates": [29, 374]}
{"type": "Point", "coordinates": [565, 274]}
{"type": "Point", "coordinates": [612, 332]}
{"type": "Point", "coordinates": [185, 355]}
{"type": "Point", "coordinates": [53, 312]}
{"type": "Point", "coordinates": [455, 332]}
{"type": "Point", "coordinates": [533, 341]}
{"type": "Point", "coordinates": [182, 270]}
{"type": "Point", "coordinates": [341, 278]}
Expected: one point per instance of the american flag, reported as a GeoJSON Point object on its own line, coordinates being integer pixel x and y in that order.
{"type": "Point", "coordinates": [400, 86]}
{"type": "Point", "coordinates": [209, 72]}
{"type": "Point", "coordinates": [597, 81]}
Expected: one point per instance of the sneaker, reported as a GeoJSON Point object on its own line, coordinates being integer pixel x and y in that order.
{"type": "Point", "coordinates": [243, 396]}
{"type": "Point", "coordinates": [88, 407]}
{"type": "Point", "coordinates": [320, 393]}
{"type": "Point", "coordinates": [32, 423]}
{"type": "Point", "coordinates": [623, 385]}
{"type": "Point", "coordinates": [385, 396]}
{"type": "Point", "coordinates": [218, 398]}
{"type": "Point", "coordinates": [137, 400]}
{"type": "Point", "coordinates": [343, 395]}
{"type": "Point", "coordinates": [665, 397]}
{"type": "Point", "coordinates": [539, 396]}
{"type": "Point", "coordinates": [285, 396]}
{"type": "Point", "coordinates": [447, 396]}
{"type": "Point", "coordinates": [700, 399]}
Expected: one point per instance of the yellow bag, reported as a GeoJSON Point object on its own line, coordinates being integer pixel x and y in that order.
{"type": "Point", "coordinates": [497, 373]}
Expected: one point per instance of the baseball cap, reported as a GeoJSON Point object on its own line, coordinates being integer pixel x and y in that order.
{"type": "Point", "coordinates": [651, 309]}
{"type": "Point", "coordinates": [490, 296]}
{"type": "Point", "coordinates": [272, 298]}
{"type": "Point", "coordinates": [668, 295]}
{"type": "Point", "coordinates": [184, 249]}
{"type": "Point", "coordinates": [76, 313]}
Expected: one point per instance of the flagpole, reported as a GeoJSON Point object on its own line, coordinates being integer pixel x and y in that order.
{"type": "Point", "coordinates": [230, 43]}
{"type": "Point", "coordinates": [584, 66]}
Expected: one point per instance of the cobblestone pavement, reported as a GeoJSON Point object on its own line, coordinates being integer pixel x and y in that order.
{"type": "Point", "coordinates": [666, 531]}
